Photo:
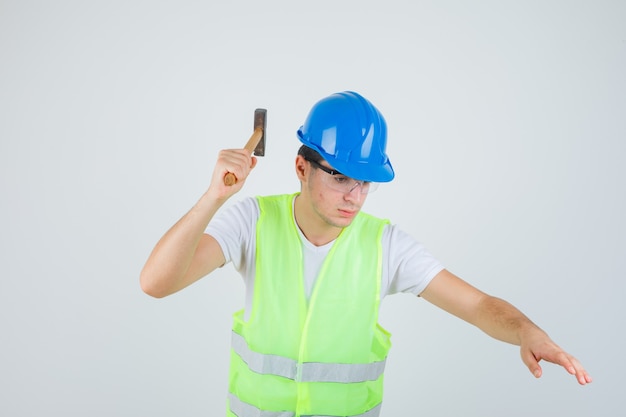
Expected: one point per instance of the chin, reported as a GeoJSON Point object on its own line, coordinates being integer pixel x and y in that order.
{"type": "Point", "coordinates": [343, 222]}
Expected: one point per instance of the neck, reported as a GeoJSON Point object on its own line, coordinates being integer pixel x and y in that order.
{"type": "Point", "coordinates": [313, 227]}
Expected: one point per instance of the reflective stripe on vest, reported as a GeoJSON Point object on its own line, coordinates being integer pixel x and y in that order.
{"type": "Point", "coordinates": [309, 371]}
{"type": "Point", "coordinates": [242, 409]}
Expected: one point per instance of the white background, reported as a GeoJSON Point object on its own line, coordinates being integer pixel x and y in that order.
{"type": "Point", "coordinates": [507, 129]}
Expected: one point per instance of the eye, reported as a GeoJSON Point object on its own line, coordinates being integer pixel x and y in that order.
{"type": "Point", "coordinates": [340, 179]}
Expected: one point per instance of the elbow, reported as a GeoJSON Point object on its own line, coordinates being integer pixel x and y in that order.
{"type": "Point", "coordinates": [149, 285]}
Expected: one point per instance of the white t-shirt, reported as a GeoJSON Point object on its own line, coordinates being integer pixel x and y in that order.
{"type": "Point", "coordinates": [407, 265]}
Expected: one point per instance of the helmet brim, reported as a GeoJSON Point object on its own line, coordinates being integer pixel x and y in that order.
{"type": "Point", "coordinates": [363, 171]}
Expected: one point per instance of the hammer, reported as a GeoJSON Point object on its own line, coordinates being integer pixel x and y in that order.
{"type": "Point", "coordinates": [255, 144]}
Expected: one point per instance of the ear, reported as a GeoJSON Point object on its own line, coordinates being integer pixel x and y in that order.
{"type": "Point", "coordinates": [302, 167]}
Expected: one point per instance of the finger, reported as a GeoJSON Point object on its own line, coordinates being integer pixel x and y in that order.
{"type": "Point", "coordinates": [254, 162]}
{"type": "Point", "coordinates": [235, 161]}
{"type": "Point", "coordinates": [232, 158]}
{"type": "Point", "coordinates": [572, 366]}
{"type": "Point", "coordinates": [239, 174]}
{"type": "Point", "coordinates": [565, 362]}
{"type": "Point", "coordinates": [532, 363]}
{"type": "Point", "coordinates": [581, 374]}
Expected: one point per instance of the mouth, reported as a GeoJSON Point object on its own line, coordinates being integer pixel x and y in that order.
{"type": "Point", "coordinates": [347, 212]}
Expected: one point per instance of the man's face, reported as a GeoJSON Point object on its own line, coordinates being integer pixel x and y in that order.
{"type": "Point", "coordinates": [336, 199]}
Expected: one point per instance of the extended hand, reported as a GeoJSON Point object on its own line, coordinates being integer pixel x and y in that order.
{"type": "Point", "coordinates": [539, 346]}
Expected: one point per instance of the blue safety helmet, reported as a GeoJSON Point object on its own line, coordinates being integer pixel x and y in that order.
{"type": "Point", "coordinates": [351, 135]}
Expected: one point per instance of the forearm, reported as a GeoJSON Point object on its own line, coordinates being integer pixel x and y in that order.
{"type": "Point", "coordinates": [500, 320]}
{"type": "Point", "coordinates": [185, 254]}
{"type": "Point", "coordinates": [492, 315]}
{"type": "Point", "coordinates": [503, 321]}
{"type": "Point", "coordinates": [167, 268]}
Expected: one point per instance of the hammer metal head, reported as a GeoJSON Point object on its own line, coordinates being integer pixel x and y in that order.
{"type": "Point", "coordinates": [260, 121]}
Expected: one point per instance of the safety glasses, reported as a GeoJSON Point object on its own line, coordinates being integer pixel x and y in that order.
{"type": "Point", "coordinates": [335, 180]}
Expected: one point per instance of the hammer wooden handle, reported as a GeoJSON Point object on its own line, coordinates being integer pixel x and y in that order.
{"type": "Point", "coordinates": [230, 178]}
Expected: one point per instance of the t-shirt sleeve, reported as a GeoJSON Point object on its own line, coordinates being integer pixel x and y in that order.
{"type": "Point", "coordinates": [233, 227]}
{"type": "Point", "coordinates": [411, 265]}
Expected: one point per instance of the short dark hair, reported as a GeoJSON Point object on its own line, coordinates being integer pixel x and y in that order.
{"type": "Point", "coordinates": [309, 154]}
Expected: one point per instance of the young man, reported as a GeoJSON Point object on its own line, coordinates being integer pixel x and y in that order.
{"type": "Point", "coordinates": [316, 268]}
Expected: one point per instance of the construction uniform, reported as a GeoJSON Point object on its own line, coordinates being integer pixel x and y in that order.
{"type": "Point", "coordinates": [317, 351]}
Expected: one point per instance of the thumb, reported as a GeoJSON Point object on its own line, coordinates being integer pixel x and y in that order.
{"type": "Point", "coordinates": [531, 362]}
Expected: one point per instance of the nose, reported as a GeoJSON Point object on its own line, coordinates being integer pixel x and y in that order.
{"type": "Point", "coordinates": [355, 192]}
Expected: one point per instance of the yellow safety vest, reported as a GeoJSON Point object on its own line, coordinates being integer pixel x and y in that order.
{"type": "Point", "coordinates": [325, 357]}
